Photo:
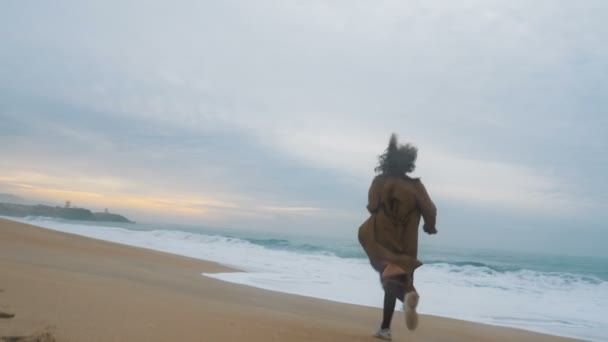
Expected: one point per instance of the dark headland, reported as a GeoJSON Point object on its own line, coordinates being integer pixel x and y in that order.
{"type": "Point", "coordinates": [67, 213]}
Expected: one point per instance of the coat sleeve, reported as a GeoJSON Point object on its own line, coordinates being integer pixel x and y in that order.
{"type": "Point", "coordinates": [427, 208]}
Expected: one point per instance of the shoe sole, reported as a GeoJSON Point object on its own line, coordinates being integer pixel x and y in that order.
{"type": "Point", "coordinates": [411, 316]}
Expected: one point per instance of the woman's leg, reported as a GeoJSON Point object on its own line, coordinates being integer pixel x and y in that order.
{"type": "Point", "coordinates": [410, 303]}
{"type": "Point", "coordinates": [376, 251]}
{"type": "Point", "coordinates": [390, 299]}
{"type": "Point", "coordinates": [409, 284]}
{"type": "Point", "coordinates": [394, 288]}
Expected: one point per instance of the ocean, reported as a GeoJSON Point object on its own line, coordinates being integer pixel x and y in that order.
{"type": "Point", "coordinates": [554, 294]}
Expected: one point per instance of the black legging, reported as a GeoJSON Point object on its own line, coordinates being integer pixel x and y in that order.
{"type": "Point", "coordinates": [392, 291]}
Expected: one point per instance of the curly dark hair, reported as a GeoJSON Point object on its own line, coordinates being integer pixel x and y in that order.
{"type": "Point", "coordinates": [397, 160]}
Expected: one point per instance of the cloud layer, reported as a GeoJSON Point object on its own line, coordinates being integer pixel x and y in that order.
{"type": "Point", "coordinates": [261, 112]}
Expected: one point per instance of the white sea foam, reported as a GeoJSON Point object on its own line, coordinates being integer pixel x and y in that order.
{"type": "Point", "coordinates": [556, 303]}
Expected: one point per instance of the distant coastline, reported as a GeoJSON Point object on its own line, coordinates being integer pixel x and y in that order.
{"type": "Point", "coordinates": [79, 214]}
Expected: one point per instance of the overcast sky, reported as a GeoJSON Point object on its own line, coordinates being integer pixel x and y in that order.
{"type": "Point", "coordinates": [269, 115]}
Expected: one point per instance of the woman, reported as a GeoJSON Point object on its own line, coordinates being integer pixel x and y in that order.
{"type": "Point", "coordinates": [389, 236]}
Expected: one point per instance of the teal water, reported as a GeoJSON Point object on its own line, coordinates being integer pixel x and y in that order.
{"type": "Point", "coordinates": [593, 268]}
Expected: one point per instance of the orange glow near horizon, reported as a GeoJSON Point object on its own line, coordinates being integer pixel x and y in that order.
{"type": "Point", "coordinates": [91, 195]}
{"type": "Point", "coordinates": [121, 195]}
{"type": "Point", "coordinates": [117, 201]}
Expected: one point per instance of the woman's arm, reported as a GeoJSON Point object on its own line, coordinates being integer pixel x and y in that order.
{"type": "Point", "coordinates": [427, 208]}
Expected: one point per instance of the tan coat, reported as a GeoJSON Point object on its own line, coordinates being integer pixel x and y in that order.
{"type": "Point", "coordinates": [390, 234]}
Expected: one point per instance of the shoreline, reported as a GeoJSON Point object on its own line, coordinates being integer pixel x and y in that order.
{"type": "Point", "coordinates": [109, 291]}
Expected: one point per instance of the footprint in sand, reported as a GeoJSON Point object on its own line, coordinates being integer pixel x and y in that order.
{"type": "Point", "coordinates": [40, 337]}
{"type": "Point", "coordinates": [37, 337]}
{"type": "Point", "coordinates": [5, 315]}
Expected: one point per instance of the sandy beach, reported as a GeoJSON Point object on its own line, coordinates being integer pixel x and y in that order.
{"type": "Point", "coordinates": [63, 287]}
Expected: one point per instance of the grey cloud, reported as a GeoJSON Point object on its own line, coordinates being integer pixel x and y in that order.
{"type": "Point", "coordinates": [162, 88]}
{"type": "Point", "coordinates": [172, 157]}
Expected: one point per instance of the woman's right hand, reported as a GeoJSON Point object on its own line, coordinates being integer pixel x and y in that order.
{"type": "Point", "coordinates": [429, 230]}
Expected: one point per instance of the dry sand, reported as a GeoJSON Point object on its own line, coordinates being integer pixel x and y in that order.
{"type": "Point", "coordinates": [63, 287]}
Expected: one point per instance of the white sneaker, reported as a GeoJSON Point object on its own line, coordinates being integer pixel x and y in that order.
{"type": "Point", "coordinates": [384, 334]}
{"type": "Point", "coordinates": [409, 307]}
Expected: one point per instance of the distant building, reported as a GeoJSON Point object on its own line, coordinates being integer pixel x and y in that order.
{"type": "Point", "coordinates": [106, 211]}
{"type": "Point", "coordinates": [68, 204]}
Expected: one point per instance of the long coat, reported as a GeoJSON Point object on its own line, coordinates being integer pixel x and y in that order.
{"type": "Point", "coordinates": [390, 234]}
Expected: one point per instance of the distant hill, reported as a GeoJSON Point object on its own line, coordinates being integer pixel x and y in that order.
{"type": "Point", "coordinates": [81, 214]}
